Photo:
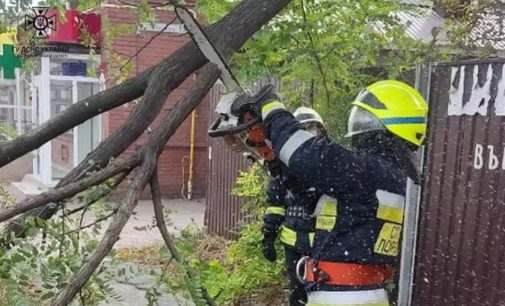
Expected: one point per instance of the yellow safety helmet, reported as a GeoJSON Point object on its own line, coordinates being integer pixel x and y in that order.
{"type": "Point", "coordinates": [389, 105]}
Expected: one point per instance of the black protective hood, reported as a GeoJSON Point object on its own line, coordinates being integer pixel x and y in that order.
{"type": "Point", "coordinates": [389, 147]}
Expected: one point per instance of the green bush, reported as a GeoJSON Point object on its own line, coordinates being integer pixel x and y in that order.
{"type": "Point", "coordinates": [242, 273]}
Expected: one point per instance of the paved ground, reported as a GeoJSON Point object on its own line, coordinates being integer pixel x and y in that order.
{"type": "Point", "coordinates": [182, 214]}
{"type": "Point", "coordinates": [132, 288]}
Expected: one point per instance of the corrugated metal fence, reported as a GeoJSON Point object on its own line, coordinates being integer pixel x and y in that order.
{"type": "Point", "coordinates": [223, 213]}
{"type": "Point", "coordinates": [461, 246]}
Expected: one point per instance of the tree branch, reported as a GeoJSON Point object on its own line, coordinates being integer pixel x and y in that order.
{"type": "Point", "coordinates": [69, 190]}
{"type": "Point", "coordinates": [148, 43]}
{"type": "Point", "coordinates": [316, 56]}
{"type": "Point", "coordinates": [72, 116]}
{"type": "Point", "coordinates": [169, 242]}
{"type": "Point", "coordinates": [79, 279]}
{"type": "Point", "coordinates": [101, 219]}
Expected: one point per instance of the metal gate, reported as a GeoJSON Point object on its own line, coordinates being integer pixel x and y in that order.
{"type": "Point", "coordinates": [461, 247]}
{"type": "Point", "coordinates": [222, 211]}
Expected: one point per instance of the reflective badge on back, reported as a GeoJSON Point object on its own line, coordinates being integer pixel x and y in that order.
{"type": "Point", "coordinates": [389, 240]}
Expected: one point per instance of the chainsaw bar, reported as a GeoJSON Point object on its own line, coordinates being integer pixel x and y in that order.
{"type": "Point", "coordinates": [203, 42]}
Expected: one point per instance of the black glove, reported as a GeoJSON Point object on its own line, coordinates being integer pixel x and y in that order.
{"type": "Point", "coordinates": [252, 104]}
{"type": "Point", "coordinates": [268, 247]}
{"type": "Point", "coordinates": [274, 167]}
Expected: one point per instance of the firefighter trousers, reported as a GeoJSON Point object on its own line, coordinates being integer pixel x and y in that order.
{"type": "Point", "coordinates": [297, 294]}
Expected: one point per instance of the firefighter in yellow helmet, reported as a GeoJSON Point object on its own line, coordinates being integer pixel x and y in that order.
{"type": "Point", "coordinates": [360, 215]}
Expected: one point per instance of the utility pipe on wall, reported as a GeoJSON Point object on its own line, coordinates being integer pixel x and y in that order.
{"type": "Point", "coordinates": [191, 155]}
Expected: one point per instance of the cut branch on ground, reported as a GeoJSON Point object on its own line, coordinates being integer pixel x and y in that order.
{"type": "Point", "coordinates": [197, 295]}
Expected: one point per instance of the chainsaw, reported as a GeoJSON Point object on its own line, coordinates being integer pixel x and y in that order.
{"type": "Point", "coordinates": [245, 133]}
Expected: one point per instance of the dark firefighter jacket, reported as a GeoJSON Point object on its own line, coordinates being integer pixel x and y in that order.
{"type": "Point", "coordinates": [290, 210]}
{"type": "Point", "coordinates": [364, 222]}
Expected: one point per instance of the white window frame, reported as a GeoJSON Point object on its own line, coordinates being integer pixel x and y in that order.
{"type": "Point", "coordinates": [43, 82]}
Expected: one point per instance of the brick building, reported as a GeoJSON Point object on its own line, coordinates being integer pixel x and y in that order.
{"type": "Point", "coordinates": [174, 163]}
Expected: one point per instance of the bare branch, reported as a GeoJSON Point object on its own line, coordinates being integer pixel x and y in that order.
{"type": "Point", "coordinates": [79, 279]}
{"type": "Point", "coordinates": [160, 219]}
{"type": "Point", "coordinates": [69, 190]}
{"type": "Point", "coordinates": [147, 43]}
{"type": "Point", "coordinates": [110, 187]}
{"type": "Point", "coordinates": [315, 55]}
{"type": "Point", "coordinates": [99, 220]}
{"type": "Point", "coordinates": [169, 242]}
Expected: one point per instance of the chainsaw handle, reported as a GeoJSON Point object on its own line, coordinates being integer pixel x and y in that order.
{"type": "Point", "coordinates": [215, 131]}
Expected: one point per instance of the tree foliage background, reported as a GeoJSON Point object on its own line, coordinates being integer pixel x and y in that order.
{"type": "Point", "coordinates": [325, 51]}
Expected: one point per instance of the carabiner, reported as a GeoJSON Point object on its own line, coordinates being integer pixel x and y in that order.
{"type": "Point", "coordinates": [301, 263]}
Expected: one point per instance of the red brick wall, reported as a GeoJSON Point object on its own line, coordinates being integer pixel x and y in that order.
{"type": "Point", "coordinates": [176, 154]}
